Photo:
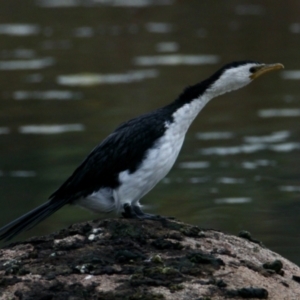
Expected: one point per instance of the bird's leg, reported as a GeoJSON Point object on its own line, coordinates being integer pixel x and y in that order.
{"type": "Point", "coordinates": [129, 213]}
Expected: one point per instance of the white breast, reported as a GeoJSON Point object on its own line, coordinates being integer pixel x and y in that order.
{"type": "Point", "coordinates": [159, 159]}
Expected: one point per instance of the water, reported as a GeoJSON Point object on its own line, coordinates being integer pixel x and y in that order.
{"type": "Point", "coordinates": [72, 70]}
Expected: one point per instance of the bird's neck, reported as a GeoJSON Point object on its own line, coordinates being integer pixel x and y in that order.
{"type": "Point", "coordinates": [183, 114]}
{"type": "Point", "coordinates": [194, 98]}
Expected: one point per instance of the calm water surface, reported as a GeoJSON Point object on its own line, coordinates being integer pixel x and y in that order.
{"type": "Point", "coordinates": [71, 71]}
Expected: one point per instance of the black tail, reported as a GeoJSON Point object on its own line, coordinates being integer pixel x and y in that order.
{"type": "Point", "coordinates": [30, 219]}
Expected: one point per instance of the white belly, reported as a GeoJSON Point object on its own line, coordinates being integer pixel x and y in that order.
{"type": "Point", "coordinates": [158, 162]}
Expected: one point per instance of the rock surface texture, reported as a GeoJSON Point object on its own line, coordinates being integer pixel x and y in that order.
{"type": "Point", "coordinates": [142, 260]}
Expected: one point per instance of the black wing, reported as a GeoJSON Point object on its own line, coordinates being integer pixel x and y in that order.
{"type": "Point", "coordinates": [123, 150]}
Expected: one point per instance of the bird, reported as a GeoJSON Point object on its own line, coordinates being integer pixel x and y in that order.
{"type": "Point", "coordinates": [130, 161]}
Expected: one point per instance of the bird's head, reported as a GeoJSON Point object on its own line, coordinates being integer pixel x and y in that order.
{"type": "Point", "coordinates": [238, 74]}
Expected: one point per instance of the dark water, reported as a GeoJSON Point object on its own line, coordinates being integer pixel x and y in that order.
{"type": "Point", "coordinates": [72, 70]}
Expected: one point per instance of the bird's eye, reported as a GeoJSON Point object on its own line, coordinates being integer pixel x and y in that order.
{"type": "Point", "coordinates": [252, 69]}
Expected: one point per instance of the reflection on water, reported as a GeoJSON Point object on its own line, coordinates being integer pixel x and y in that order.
{"type": "Point", "coordinates": [240, 200]}
{"type": "Point", "coordinates": [29, 64]}
{"type": "Point", "coordinates": [167, 47]}
{"type": "Point", "coordinates": [18, 173]}
{"type": "Point", "coordinates": [252, 148]}
{"type": "Point", "coordinates": [258, 163]}
{"type": "Point", "coordinates": [249, 9]}
{"type": "Point", "coordinates": [156, 27]}
{"type": "Point", "coordinates": [214, 135]}
{"type": "Point", "coordinates": [90, 3]}
{"type": "Point", "coordinates": [257, 143]}
{"type": "Point", "coordinates": [279, 112]}
{"type": "Point", "coordinates": [293, 75]}
{"type": "Point", "coordinates": [22, 173]}
{"type": "Point", "coordinates": [233, 150]}
{"type": "Point", "coordinates": [50, 129]}
{"type": "Point", "coordinates": [274, 137]}
{"type": "Point", "coordinates": [83, 32]}
{"type": "Point", "coordinates": [195, 180]}
{"type": "Point", "coordinates": [229, 180]}
{"type": "Point", "coordinates": [19, 29]}
{"type": "Point", "coordinates": [289, 188]}
{"type": "Point", "coordinates": [47, 95]}
{"type": "Point", "coordinates": [58, 3]}
{"type": "Point", "coordinates": [18, 53]}
{"type": "Point", "coordinates": [59, 45]}
{"type": "Point", "coordinates": [4, 130]}
{"type": "Point", "coordinates": [118, 59]}
{"type": "Point", "coordinates": [295, 28]}
{"type": "Point", "coordinates": [176, 59]}
{"type": "Point", "coordinates": [285, 147]}
{"type": "Point", "coordinates": [194, 165]}
{"type": "Point", "coordinates": [95, 79]}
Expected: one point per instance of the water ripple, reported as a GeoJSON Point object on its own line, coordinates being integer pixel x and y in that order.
{"type": "Point", "coordinates": [176, 59]}
{"type": "Point", "coordinates": [233, 150]}
{"type": "Point", "coordinates": [22, 173]}
{"type": "Point", "coordinates": [249, 9]}
{"type": "Point", "coordinates": [46, 95]}
{"type": "Point", "coordinates": [94, 79]}
{"type": "Point", "coordinates": [279, 112]}
{"type": "Point", "coordinates": [159, 27]}
{"type": "Point", "coordinates": [167, 47]}
{"type": "Point", "coordinates": [4, 130]}
{"type": "Point", "coordinates": [214, 135]}
{"type": "Point", "coordinates": [194, 165]}
{"type": "Point", "coordinates": [289, 188]}
{"type": "Point", "coordinates": [84, 32]}
{"type": "Point", "coordinates": [91, 3]}
{"type": "Point", "coordinates": [18, 53]}
{"type": "Point", "coordinates": [258, 163]}
{"type": "Point", "coordinates": [238, 200]}
{"type": "Point", "coordinates": [274, 137]}
{"type": "Point", "coordinates": [230, 180]}
{"type": "Point", "coordinates": [50, 129]}
{"type": "Point", "coordinates": [295, 27]}
{"type": "Point", "coordinates": [285, 147]}
{"type": "Point", "coordinates": [292, 75]}
{"type": "Point", "coordinates": [19, 29]}
{"type": "Point", "coordinates": [27, 64]}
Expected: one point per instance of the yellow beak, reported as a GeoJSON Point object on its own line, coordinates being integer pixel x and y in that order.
{"type": "Point", "coordinates": [265, 69]}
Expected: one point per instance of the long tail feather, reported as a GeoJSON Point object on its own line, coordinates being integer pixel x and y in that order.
{"type": "Point", "coordinates": [30, 219]}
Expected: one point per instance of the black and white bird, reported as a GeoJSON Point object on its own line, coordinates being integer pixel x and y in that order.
{"type": "Point", "coordinates": [139, 153]}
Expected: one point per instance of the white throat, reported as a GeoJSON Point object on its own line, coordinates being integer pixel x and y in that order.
{"type": "Point", "coordinates": [232, 79]}
{"type": "Point", "coordinates": [185, 115]}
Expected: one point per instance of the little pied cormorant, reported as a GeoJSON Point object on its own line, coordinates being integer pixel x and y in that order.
{"type": "Point", "coordinates": [138, 154]}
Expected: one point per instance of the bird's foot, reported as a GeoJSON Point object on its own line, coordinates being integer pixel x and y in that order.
{"type": "Point", "coordinates": [142, 215]}
{"type": "Point", "coordinates": [135, 212]}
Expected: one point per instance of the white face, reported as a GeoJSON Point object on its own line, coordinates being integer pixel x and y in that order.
{"type": "Point", "coordinates": [233, 79]}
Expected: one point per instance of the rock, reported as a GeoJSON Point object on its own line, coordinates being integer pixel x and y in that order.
{"type": "Point", "coordinates": [142, 259]}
